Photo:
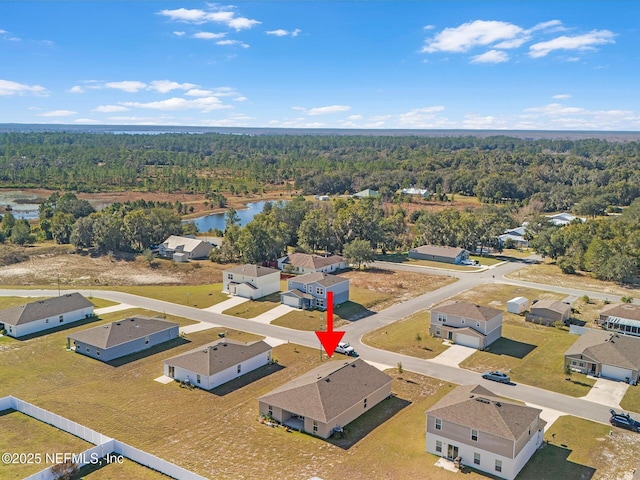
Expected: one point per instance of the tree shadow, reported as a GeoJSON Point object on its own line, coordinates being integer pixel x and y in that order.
{"type": "Point", "coordinates": [351, 311]}
{"type": "Point", "coordinates": [118, 362]}
{"type": "Point", "coordinates": [551, 462]}
{"type": "Point", "coordinates": [246, 379]}
{"type": "Point", "coordinates": [369, 421]}
{"type": "Point", "coordinates": [510, 348]}
{"type": "Point", "coordinates": [60, 328]}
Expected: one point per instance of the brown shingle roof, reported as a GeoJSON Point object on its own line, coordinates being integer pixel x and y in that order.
{"type": "Point", "coordinates": [218, 356]}
{"type": "Point", "coordinates": [623, 310]}
{"type": "Point", "coordinates": [252, 270]}
{"type": "Point", "coordinates": [51, 307]}
{"type": "Point", "coordinates": [321, 278]}
{"type": "Point", "coordinates": [306, 260]}
{"type": "Point", "coordinates": [608, 348]}
{"type": "Point", "coordinates": [327, 391]}
{"type": "Point", "coordinates": [439, 251]}
{"type": "Point", "coordinates": [468, 310]}
{"type": "Point", "coordinates": [473, 406]}
{"type": "Point", "coordinates": [122, 331]}
{"type": "Point", "coordinates": [552, 305]}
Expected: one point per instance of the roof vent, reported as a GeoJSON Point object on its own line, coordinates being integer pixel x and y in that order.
{"type": "Point", "coordinates": [132, 319]}
{"type": "Point", "coordinates": [215, 348]}
{"type": "Point", "coordinates": [118, 324]}
{"type": "Point", "coordinates": [483, 400]}
{"type": "Point", "coordinates": [327, 379]}
{"type": "Point", "coordinates": [498, 404]}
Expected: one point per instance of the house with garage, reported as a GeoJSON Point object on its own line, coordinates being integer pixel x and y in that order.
{"type": "Point", "coordinates": [548, 312]}
{"type": "Point", "coordinates": [218, 362]}
{"type": "Point", "coordinates": [250, 281]}
{"type": "Point", "coordinates": [310, 291]}
{"type": "Point", "coordinates": [437, 253]}
{"type": "Point", "coordinates": [327, 398]}
{"type": "Point", "coordinates": [36, 317]}
{"type": "Point", "coordinates": [515, 237]}
{"type": "Point", "coordinates": [184, 248]}
{"type": "Point", "coordinates": [605, 354]}
{"type": "Point", "coordinates": [301, 263]}
{"type": "Point", "coordinates": [484, 431]}
{"type": "Point", "coordinates": [467, 324]}
{"type": "Point", "coordinates": [621, 318]}
{"type": "Point", "coordinates": [123, 337]}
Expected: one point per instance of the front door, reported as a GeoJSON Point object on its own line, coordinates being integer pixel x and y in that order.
{"type": "Point", "coordinates": [450, 335]}
{"type": "Point", "coordinates": [172, 372]}
{"type": "Point", "coordinates": [452, 451]}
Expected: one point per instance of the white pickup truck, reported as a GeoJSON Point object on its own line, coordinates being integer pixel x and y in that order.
{"type": "Point", "coordinates": [346, 349]}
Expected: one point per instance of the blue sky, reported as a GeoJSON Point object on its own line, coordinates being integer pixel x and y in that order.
{"type": "Point", "coordinates": [561, 65]}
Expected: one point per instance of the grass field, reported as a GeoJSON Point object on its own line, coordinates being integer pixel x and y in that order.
{"type": "Point", "coordinates": [254, 308]}
{"type": "Point", "coordinates": [200, 296]}
{"type": "Point", "coordinates": [402, 258]}
{"type": "Point", "coordinates": [10, 302]}
{"type": "Point", "coordinates": [101, 302]}
{"type": "Point", "coordinates": [115, 471]}
{"type": "Point", "coordinates": [631, 399]}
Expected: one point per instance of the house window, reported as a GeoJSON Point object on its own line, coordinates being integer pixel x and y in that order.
{"type": "Point", "coordinates": [239, 368]}
{"type": "Point", "coordinates": [477, 324]}
{"type": "Point", "coordinates": [146, 339]}
{"type": "Point", "coordinates": [474, 435]}
{"type": "Point", "coordinates": [198, 378]}
{"type": "Point", "coordinates": [365, 403]}
{"type": "Point", "coordinates": [498, 465]}
{"type": "Point", "coordinates": [462, 321]}
{"type": "Point", "coordinates": [438, 332]}
{"type": "Point", "coordinates": [87, 348]}
{"type": "Point", "coordinates": [229, 276]}
{"type": "Point", "coordinates": [319, 291]}
{"type": "Point", "coordinates": [61, 318]}
{"type": "Point", "coordinates": [476, 458]}
{"type": "Point", "coordinates": [98, 351]}
{"type": "Point", "coordinates": [320, 302]}
{"type": "Point", "coordinates": [574, 362]}
{"type": "Point", "coordinates": [309, 288]}
{"type": "Point", "coordinates": [270, 410]}
{"type": "Point", "coordinates": [442, 318]}
{"type": "Point", "coordinates": [438, 446]}
{"type": "Point", "coordinates": [315, 426]}
{"type": "Point", "coordinates": [438, 424]}
{"type": "Point", "coordinates": [582, 364]}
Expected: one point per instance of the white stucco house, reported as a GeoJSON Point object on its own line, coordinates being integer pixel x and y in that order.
{"type": "Point", "coordinates": [250, 281]}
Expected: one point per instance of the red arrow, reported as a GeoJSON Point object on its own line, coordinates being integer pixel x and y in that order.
{"type": "Point", "coordinates": [329, 339]}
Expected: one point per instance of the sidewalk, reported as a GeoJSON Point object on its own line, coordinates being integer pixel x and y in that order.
{"type": "Point", "coordinates": [112, 308]}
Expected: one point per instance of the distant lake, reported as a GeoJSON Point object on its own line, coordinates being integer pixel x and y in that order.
{"type": "Point", "coordinates": [216, 220]}
{"type": "Point", "coordinates": [23, 204]}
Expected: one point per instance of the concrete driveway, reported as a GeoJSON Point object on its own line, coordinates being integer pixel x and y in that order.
{"type": "Point", "coordinates": [607, 392]}
{"type": "Point", "coordinates": [454, 355]}
{"type": "Point", "coordinates": [227, 304]}
{"type": "Point", "coordinates": [112, 308]}
{"type": "Point", "coordinates": [271, 315]}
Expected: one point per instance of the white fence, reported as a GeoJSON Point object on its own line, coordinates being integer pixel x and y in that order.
{"type": "Point", "coordinates": [577, 330]}
{"type": "Point", "coordinates": [103, 445]}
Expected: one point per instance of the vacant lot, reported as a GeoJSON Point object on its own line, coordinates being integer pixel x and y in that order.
{"type": "Point", "coordinates": [115, 471]}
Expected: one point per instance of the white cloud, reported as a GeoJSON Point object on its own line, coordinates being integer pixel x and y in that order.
{"type": "Point", "coordinates": [110, 108]}
{"type": "Point", "coordinates": [7, 87]}
{"type": "Point", "coordinates": [232, 42]}
{"type": "Point", "coordinates": [554, 109]}
{"type": "Point", "coordinates": [428, 27]}
{"type": "Point", "coordinates": [85, 120]}
{"type": "Point", "coordinates": [354, 117]}
{"type": "Point", "coordinates": [492, 56]}
{"type": "Point", "coordinates": [198, 92]}
{"type": "Point", "coordinates": [553, 25]}
{"type": "Point", "coordinates": [179, 34]}
{"type": "Point", "coordinates": [425, 117]}
{"type": "Point", "coordinates": [165, 86]}
{"type": "Point", "coordinates": [219, 14]}
{"type": "Point", "coordinates": [562, 96]}
{"type": "Point", "coordinates": [57, 113]}
{"type": "Point", "coordinates": [327, 110]}
{"type": "Point", "coordinates": [474, 121]}
{"type": "Point", "coordinates": [208, 35]}
{"type": "Point", "coordinates": [578, 42]}
{"type": "Point", "coordinates": [283, 33]}
{"type": "Point", "coordinates": [205, 104]}
{"type": "Point", "coordinates": [76, 89]}
{"type": "Point", "coordinates": [131, 86]}
{"type": "Point", "coordinates": [472, 34]}
{"type": "Point", "coordinates": [240, 99]}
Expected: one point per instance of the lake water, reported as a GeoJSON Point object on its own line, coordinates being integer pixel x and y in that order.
{"type": "Point", "coordinates": [20, 203]}
{"type": "Point", "coordinates": [216, 220]}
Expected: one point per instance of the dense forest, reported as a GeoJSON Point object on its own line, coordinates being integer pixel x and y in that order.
{"type": "Point", "coordinates": [555, 174]}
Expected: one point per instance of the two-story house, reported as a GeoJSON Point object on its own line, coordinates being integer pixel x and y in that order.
{"type": "Point", "coordinates": [484, 431]}
{"type": "Point", "coordinates": [310, 290]}
{"type": "Point", "coordinates": [466, 324]}
{"type": "Point", "coordinates": [250, 281]}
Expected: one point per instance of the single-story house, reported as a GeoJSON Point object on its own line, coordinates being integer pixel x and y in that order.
{"type": "Point", "coordinates": [548, 312]}
{"type": "Point", "coordinates": [218, 362]}
{"type": "Point", "coordinates": [517, 305]}
{"type": "Point", "coordinates": [516, 236]}
{"type": "Point", "coordinates": [250, 281]}
{"type": "Point", "coordinates": [438, 253]}
{"type": "Point", "coordinates": [486, 432]}
{"type": "Point", "coordinates": [467, 324]}
{"type": "Point", "coordinates": [423, 192]}
{"type": "Point", "coordinates": [310, 290]}
{"type": "Point", "coordinates": [564, 218]}
{"type": "Point", "coordinates": [123, 337]}
{"type": "Point", "coordinates": [42, 315]}
{"type": "Point", "coordinates": [605, 354]}
{"type": "Point", "coordinates": [181, 248]}
{"type": "Point", "coordinates": [622, 318]}
{"type": "Point", "coordinates": [308, 263]}
{"type": "Point", "coordinates": [366, 193]}
{"type": "Point", "coordinates": [327, 398]}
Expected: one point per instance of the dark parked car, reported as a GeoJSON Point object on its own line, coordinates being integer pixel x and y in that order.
{"type": "Point", "coordinates": [624, 420]}
{"type": "Point", "coordinates": [497, 377]}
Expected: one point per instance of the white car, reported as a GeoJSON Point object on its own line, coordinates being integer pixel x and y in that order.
{"type": "Point", "coordinates": [469, 262]}
{"type": "Point", "coordinates": [345, 348]}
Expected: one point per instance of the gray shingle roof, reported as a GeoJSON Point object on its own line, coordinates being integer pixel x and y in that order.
{"type": "Point", "coordinates": [473, 406]}
{"type": "Point", "coordinates": [439, 251]}
{"type": "Point", "coordinates": [468, 310]}
{"type": "Point", "coordinates": [321, 278]}
{"type": "Point", "coordinates": [608, 348]}
{"type": "Point", "coordinates": [328, 390]}
{"type": "Point", "coordinates": [122, 331]}
{"type": "Point", "coordinates": [218, 356]}
{"type": "Point", "coordinates": [306, 260]}
{"type": "Point", "coordinates": [552, 305]}
{"type": "Point", "coordinates": [252, 270]}
{"type": "Point", "coordinates": [624, 310]}
{"type": "Point", "coordinates": [41, 309]}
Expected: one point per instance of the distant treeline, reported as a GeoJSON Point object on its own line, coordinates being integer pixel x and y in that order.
{"type": "Point", "coordinates": [555, 174]}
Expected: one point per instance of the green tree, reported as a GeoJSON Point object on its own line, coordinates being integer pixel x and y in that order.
{"type": "Point", "coordinates": [82, 233]}
{"type": "Point", "coordinates": [61, 226]}
{"type": "Point", "coordinates": [359, 252]}
{"type": "Point", "coordinates": [21, 233]}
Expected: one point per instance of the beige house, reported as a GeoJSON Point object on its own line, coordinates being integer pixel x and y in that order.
{"type": "Point", "coordinates": [466, 324]}
{"type": "Point", "coordinates": [438, 253]}
{"type": "Point", "coordinates": [605, 354]}
{"type": "Point", "coordinates": [184, 248]}
{"type": "Point", "coordinates": [328, 397]}
{"type": "Point", "coordinates": [485, 431]}
{"type": "Point", "coordinates": [250, 281]}
{"type": "Point", "coordinates": [307, 263]}
{"type": "Point", "coordinates": [548, 312]}
{"type": "Point", "coordinates": [621, 318]}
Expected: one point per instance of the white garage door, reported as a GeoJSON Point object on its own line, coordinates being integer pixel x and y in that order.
{"type": "Point", "coordinates": [467, 340]}
{"type": "Point", "coordinates": [291, 301]}
{"type": "Point", "coordinates": [617, 373]}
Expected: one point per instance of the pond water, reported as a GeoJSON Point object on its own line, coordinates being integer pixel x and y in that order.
{"type": "Point", "coordinates": [216, 220]}
{"type": "Point", "coordinates": [22, 203]}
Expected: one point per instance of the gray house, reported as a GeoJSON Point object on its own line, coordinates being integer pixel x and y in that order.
{"type": "Point", "coordinates": [327, 397]}
{"type": "Point", "coordinates": [218, 362]}
{"type": "Point", "coordinates": [310, 290]}
{"type": "Point", "coordinates": [466, 324]}
{"type": "Point", "coordinates": [117, 339]}
{"type": "Point", "coordinates": [45, 314]}
{"type": "Point", "coordinates": [437, 253]}
{"type": "Point", "coordinates": [548, 312]}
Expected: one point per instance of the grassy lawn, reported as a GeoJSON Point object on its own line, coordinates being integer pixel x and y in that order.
{"type": "Point", "coordinates": [253, 308]}
{"type": "Point", "coordinates": [201, 296]}
{"type": "Point", "coordinates": [631, 399]}
{"type": "Point", "coordinates": [101, 302]}
{"type": "Point", "coordinates": [400, 337]}
{"type": "Point", "coordinates": [21, 434]}
{"type": "Point", "coordinates": [403, 258]}
{"type": "Point", "coordinates": [10, 302]}
{"type": "Point", "coordinates": [487, 261]}
{"type": "Point", "coordinates": [113, 471]}
{"type": "Point", "coordinates": [579, 449]}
